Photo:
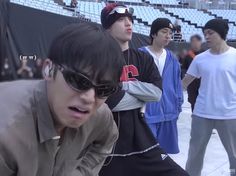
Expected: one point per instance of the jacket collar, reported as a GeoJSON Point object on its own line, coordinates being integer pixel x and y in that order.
{"type": "Point", "coordinates": [44, 119]}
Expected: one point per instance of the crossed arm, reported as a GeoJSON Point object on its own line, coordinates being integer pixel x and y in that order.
{"type": "Point", "coordinates": [136, 94]}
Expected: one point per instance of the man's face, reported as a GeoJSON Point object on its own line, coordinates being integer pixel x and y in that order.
{"type": "Point", "coordinates": [196, 44]}
{"type": "Point", "coordinates": [163, 37]}
{"type": "Point", "coordinates": [212, 38]}
{"type": "Point", "coordinates": [121, 30]}
{"type": "Point", "coordinates": [71, 108]}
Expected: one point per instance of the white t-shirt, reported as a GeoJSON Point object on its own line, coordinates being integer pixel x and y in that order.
{"type": "Point", "coordinates": [217, 92]}
{"type": "Point", "coordinates": [159, 61]}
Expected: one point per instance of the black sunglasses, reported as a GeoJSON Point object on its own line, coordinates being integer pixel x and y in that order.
{"type": "Point", "coordinates": [79, 82]}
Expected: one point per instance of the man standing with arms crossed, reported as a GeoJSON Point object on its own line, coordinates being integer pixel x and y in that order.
{"type": "Point", "coordinates": [136, 152]}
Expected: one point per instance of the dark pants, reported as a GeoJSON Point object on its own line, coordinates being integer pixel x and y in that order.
{"type": "Point", "coordinates": [152, 163]}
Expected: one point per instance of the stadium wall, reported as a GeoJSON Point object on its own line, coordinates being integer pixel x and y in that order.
{"type": "Point", "coordinates": [27, 32]}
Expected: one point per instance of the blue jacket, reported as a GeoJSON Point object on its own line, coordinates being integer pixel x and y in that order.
{"type": "Point", "coordinates": [169, 107]}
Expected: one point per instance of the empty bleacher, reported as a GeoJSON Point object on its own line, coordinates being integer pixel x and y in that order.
{"type": "Point", "coordinates": [91, 10]}
{"type": "Point", "coordinates": [46, 5]}
{"type": "Point", "coordinates": [191, 19]}
{"type": "Point", "coordinates": [148, 14]}
{"type": "Point", "coordinates": [167, 2]}
{"type": "Point", "coordinates": [131, 1]}
{"type": "Point", "coordinates": [193, 15]}
{"type": "Point", "coordinates": [200, 18]}
{"type": "Point", "coordinates": [227, 14]}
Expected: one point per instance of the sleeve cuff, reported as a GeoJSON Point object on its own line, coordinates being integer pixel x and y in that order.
{"type": "Point", "coordinates": [125, 86]}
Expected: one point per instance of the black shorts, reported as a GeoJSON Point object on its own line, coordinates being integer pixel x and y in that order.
{"type": "Point", "coordinates": [152, 163]}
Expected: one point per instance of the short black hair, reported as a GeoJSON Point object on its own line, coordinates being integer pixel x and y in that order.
{"type": "Point", "coordinates": [87, 48]}
{"type": "Point", "coordinates": [196, 36]}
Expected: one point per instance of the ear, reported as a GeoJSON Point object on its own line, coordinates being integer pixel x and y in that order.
{"type": "Point", "coordinates": [47, 69]}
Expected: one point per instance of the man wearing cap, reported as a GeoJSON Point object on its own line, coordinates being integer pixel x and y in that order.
{"type": "Point", "coordinates": [136, 151]}
{"type": "Point", "coordinates": [162, 116]}
{"type": "Point", "coordinates": [215, 106]}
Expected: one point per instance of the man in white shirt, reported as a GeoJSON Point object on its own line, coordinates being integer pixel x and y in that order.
{"type": "Point", "coordinates": [215, 107]}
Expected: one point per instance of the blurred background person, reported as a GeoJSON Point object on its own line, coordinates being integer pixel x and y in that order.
{"type": "Point", "coordinates": [6, 72]}
{"type": "Point", "coordinates": [25, 72]}
{"type": "Point", "coordinates": [38, 68]}
{"type": "Point", "coordinates": [195, 49]}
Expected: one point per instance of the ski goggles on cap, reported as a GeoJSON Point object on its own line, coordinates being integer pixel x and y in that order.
{"type": "Point", "coordinates": [122, 10]}
{"type": "Point", "coordinates": [79, 82]}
